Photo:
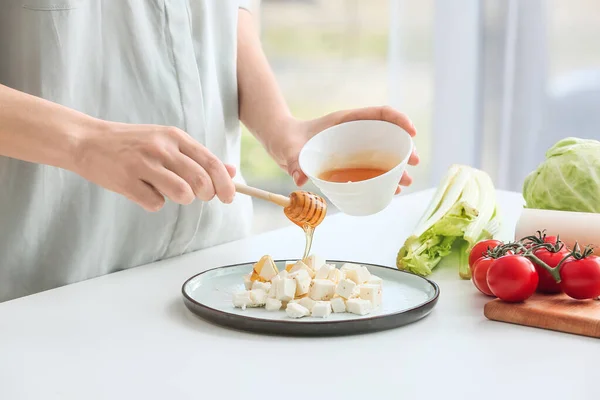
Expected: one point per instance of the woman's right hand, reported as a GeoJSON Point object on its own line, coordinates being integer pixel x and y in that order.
{"type": "Point", "coordinates": [147, 162]}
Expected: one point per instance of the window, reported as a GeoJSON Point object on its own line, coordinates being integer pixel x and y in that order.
{"type": "Point", "coordinates": [329, 55]}
{"type": "Point", "coordinates": [487, 83]}
{"type": "Point", "coordinates": [523, 75]}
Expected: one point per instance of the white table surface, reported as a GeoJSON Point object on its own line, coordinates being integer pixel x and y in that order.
{"type": "Point", "coordinates": [129, 336]}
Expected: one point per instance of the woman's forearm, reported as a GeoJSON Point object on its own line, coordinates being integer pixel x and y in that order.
{"type": "Point", "coordinates": [262, 108]}
{"type": "Point", "coordinates": [36, 130]}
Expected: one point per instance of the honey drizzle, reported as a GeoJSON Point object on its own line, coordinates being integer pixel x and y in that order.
{"type": "Point", "coordinates": [307, 210]}
{"type": "Point", "coordinates": [308, 233]}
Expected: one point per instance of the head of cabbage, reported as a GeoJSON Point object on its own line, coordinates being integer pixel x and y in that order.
{"type": "Point", "coordinates": [569, 178]}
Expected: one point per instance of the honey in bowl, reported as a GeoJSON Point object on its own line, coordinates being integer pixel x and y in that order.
{"type": "Point", "coordinates": [355, 174]}
{"type": "Point", "coordinates": [357, 167]}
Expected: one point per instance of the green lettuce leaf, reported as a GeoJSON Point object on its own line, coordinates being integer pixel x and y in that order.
{"type": "Point", "coordinates": [462, 212]}
{"type": "Point", "coordinates": [420, 254]}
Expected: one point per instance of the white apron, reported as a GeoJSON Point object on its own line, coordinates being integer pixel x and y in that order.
{"type": "Point", "coordinates": [168, 62]}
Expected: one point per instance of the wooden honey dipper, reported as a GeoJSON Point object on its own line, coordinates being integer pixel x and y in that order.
{"type": "Point", "coordinates": [305, 209]}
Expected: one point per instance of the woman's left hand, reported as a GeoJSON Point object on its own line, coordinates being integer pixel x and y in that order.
{"type": "Point", "coordinates": [286, 148]}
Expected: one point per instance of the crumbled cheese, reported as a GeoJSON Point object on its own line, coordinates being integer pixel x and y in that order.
{"type": "Point", "coordinates": [314, 262]}
{"type": "Point", "coordinates": [371, 293]}
{"type": "Point", "coordinates": [323, 272]}
{"type": "Point", "coordinates": [295, 310]}
{"type": "Point", "coordinates": [310, 287]}
{"type": "Point", "coordinates": [321, 289]}
{"type": "Point", "coordinates": [242, 299]}
{"type": "Point", "coordinates": [358, 274]}
{"type": "Point", "coordinates": [265, 268]}
{"type": "Point", "coordinates": [283, 274]}
{"type": "Point", "coordinates": [273, 304]}
{"type": "Point", "coordinates": [359, 306]}
{"type": "Point", "coordinates": [301, 266]}
{"type": "Point", "coordinates": [258, 285]}
{"type": "Point", "coordinates": [302, 279]}
{"type": "Point", "coordinates": [348, 266]}
{"type": "Point", "coordinates": [336, 275]}
{"type": "Point", "coordinates": [307, 302]}
{"type": "Point", "coordinates": [321, 309]}
{"type": "Point", "coordinates": [247, 281]}
{"type": "Point", "coordinates": [286, 289]}
{"type": "Point", "coordinates": [345, 288]}
{"type": "Point", "coordinates": [338, 305]}
{"type": "Point", "coordinates": [259, 297]}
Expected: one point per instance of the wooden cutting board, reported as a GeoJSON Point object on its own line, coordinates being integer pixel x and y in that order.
{"type": "Point", "coordinates": [555, 312]}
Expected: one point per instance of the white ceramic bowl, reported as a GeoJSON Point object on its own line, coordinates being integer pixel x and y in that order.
{"type": "Point", "coordinates": [363, 143]}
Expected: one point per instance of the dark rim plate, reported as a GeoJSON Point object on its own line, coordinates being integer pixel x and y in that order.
{"type": "Point", "coordinates": [324, 327]}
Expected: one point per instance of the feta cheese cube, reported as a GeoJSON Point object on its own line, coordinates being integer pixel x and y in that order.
{"type": "Point", "coordinates": [295, 310]}
{"type": "Point", "coordinates": [302, 281]}
{"type": "Point", "coordinates": [323, 271]}
{"type": "Point", "coordinates": [259, 297]}
{"type": "Point", "coordinates": [348, 266]}
{"type": "Point", "coordinates": [286, 289]}
{"type": "Point", "coordinates": [359, 306]}
{"type": "Point", "coordinates": [273, 305]}
{"type": "Point", "coordinates": [314, 262]}
{"type": "Point", "coordinates": [322, 309]}
{"type": "Point", "coordinates": [242, 299]}
{"type": "Point", "coordinates": [345, 288]}
{"type": "Point", "coordinates": [274, 283]}
{"type": "Point", "coordinates": [272, 294]}
{"type": "Point", "coordinates": [359, 274]}
{"type": "Point", "coordinates": [336, 275]}
{"type": "Point", "coordinates": [301, 266]}
{"type": "Point", "coordinates": [371, 293]}
{"type": "Point", "coordinates": [307, 302]}
{"type": "Point", "coordinates": [283, 274]}
{"type": "Point", "coordinates": [375, 280]}
{"type": "Point", "coordinates": [338, 304]}
{"type": "Point", "coordinates": [247, 281]}
{"type": "Point", "coordinates": [265, 268]}
{"type": "Point", "coordinates": [258, 285]}
{"type": "Point", "coordinates": [321, 289]}
{"type": "Point", "coordinates": [355, 292]}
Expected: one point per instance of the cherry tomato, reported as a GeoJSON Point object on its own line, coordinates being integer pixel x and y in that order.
{"type": "Point", "coordinates": [512, 278]}
{"type": "Point", "coordinates": [551, 239]}
{"type": "Point", "coordinates": [480, 270]}
{"type": "Point", "coordinates": [480, 249]}
{"type": "Point", "coordinates": [580, 279]}
{"type": "Point", "coordinates": [547, 284]}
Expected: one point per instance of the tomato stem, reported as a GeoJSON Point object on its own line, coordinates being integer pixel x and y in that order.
{"type": "Point", "coordinates": [539, 238]}
{"type": "Point", "coordinates": [519, 248]}
{"type": "Point", "coordinates": [554, 272]}
{"type": "Point", "coordinates": [578, 254]}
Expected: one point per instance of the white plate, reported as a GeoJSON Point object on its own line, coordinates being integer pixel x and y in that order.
{"type": "Point", "coordinates": [406, 298]}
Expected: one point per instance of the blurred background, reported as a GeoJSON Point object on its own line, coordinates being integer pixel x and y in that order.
{"type": "Point", "coordinates": [489, 83]}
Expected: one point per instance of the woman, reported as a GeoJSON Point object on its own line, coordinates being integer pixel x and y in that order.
{"type": "Point", "coordinates": [105, 104]}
